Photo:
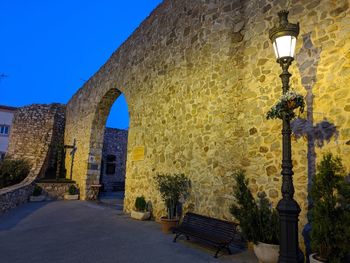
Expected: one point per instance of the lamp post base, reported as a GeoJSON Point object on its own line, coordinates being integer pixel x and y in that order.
{"type": "Point", "coordinates": [289, 210]}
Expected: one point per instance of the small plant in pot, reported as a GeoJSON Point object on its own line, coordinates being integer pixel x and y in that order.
{"type": "Point", "coordinates": [172, 188]}
{"type": "Point", "coordinates": [37, 195]}
{"type": "Point", "coordinates": [141, 212]}
{"type": "Point", "coordinates": [258, 221]}
{"type": "Point", "coordinates": [330, 214]}
{"type": "Point", "coordinates": [73, 193]}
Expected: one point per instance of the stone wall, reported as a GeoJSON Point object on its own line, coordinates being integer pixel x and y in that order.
{"type": "Point", "coordinates": [55, 190]}
{"type": "Point", "coordinates": [13, 196]}
{"type": "Point", "coordinates": [114, 144]}
{"type": "Point", "coordinates": [36, 131]}
{"type": "Point", "coordinates": [199, 77]}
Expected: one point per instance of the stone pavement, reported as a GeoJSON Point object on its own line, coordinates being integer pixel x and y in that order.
{"type": "Point", "coordinates": [79, 231]}
{"type": "Point", "coordinates": [112, 199]}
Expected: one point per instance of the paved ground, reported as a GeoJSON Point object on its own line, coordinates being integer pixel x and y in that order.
{"type": "Point", "coordinates": [78, 231]}
{"type": "Point", "coordinates": [113, 199]}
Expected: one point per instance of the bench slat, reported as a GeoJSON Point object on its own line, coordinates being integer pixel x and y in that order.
{"type": "Point", "coordinates": [216, 231]}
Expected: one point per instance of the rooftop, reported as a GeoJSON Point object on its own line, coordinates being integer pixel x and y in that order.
{"type": "Point", "coordinates": [8, 108]}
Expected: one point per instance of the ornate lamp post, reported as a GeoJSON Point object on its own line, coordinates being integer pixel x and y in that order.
{"type": "Point", "coordinates": [283, 37]}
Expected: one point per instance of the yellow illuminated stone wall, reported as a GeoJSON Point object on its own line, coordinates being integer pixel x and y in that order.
{"type": "Point", "coordinates": [199, 77]}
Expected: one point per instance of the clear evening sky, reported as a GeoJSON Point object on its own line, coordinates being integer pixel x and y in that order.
{"type": "Point", "coordinates": [49, 48]}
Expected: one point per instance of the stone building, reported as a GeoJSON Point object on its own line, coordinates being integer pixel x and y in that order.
{"type": "Point", "coordinates": [199, 77]}
{"type": "Point", "coordinates": [113, 164]}
{"type": "Point", "coordinates": [6, 117]}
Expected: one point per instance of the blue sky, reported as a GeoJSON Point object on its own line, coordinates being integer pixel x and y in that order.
{"type": "Point", "coordinates": [49, 48]}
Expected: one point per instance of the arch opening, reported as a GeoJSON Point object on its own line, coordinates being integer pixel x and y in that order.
{"type": "Point", "coordinates": [108, 149]}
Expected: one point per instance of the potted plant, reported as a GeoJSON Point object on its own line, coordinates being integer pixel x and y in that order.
{"type": "Point", "coordinates": [140, 212]}
{"type": "Point", "coordinates": [172, 188]}
{"type": "Point", "coordinates": [330, 214]}
{"type": "Point", "coordinates": [258, 221]}
{"type": "Point", "coordinates": [37, 195]}
{"type": "Point", "coordinates": [288, 102]}
{"type": "Point", "coordinates": [73, 193]}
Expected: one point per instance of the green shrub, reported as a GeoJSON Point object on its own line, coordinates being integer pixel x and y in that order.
{"type": "Point", "coordinates": [258, 221]}
{"type": "Point", "coordinates": [140, 204]}
{"type": "Point", "coordinates": [73, 190]}
{"type": "Point", "coordinates": [37, 190]}
{"type": "Point", "coordinates": [172, 188]}
{"type": "Point", "coordinates": [330, 215]}
{"type": "Point", "coordinates": [13, 171]}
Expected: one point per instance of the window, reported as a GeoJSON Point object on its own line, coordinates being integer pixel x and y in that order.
{"type": "Point", "coordinates": [111, 158]}
{"type": "Point", "coordinates": [4, 130]}
{"type": "Point", "coordinates": [110, 167]}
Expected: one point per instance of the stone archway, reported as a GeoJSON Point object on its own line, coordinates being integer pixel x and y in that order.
{"type": "Point", "coordinates": [86, 125]}
{"type": "Point", "coordinates": [198, 78]}
{"type": "Point", "coordinates": [96, 139]}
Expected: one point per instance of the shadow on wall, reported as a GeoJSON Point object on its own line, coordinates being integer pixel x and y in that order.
{"type": "Point", "coordinates": [316, 135]}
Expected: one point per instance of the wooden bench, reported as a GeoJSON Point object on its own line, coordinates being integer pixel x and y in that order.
{"type": "Point", "coordinates": [217, 232]}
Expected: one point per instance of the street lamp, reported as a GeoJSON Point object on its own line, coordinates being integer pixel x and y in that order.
{"type": "Point", "coordinates": [283, 37]}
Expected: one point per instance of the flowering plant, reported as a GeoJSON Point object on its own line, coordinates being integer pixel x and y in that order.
{"type": "Point", "coordinates": [288, 102]}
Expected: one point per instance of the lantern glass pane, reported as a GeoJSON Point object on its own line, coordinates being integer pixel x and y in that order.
{"type": "Point", "coordinates": [285, 46]}
{"type": "Point", "coordinates": [292, 49]}
{"type": "Point", "coordinates": [275, 49]}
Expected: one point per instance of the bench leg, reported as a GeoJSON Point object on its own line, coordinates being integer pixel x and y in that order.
{"type": "Point", "coordinates": [217, 252]}
{"type": "Point", "coordinates": [176, 236]}
{"type": "Point", "coordinates": [188, 237]}
{"type": "Point", "coordinates": [219, 249]}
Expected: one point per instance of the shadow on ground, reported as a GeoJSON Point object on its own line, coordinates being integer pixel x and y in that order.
{"type": "Point", "coordinates": [14, 216]}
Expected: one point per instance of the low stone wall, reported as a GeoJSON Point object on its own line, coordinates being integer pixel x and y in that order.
{"type": "Point", "coordinates": [15, 195]}
{"type": "Point", "coordinates": [55, 191]}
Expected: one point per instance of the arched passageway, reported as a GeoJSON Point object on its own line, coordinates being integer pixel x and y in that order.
{"type": "Point", "coordinates": [106, 168]}
{"type": "Point", "coordinates": [114, 153]}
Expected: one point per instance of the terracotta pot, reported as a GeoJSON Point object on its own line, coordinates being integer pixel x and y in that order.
{"type": "Point", "coordinates": [267, 253]}
{"type": "Point", "coordinates": [140, 215]}
{"type": "Point", "coordinates": [250, 246]}
{"type": "Point", "coordinates": [314, 260]}
{"type": "Point", "coordinates": [168, 224]}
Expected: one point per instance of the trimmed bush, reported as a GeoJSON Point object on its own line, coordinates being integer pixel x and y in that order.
{"type": "Point", "coordinates": [257, 219]}
{"type": "Point", "coordinates": [330, 232]}
{"type": "Point", "coordinates": [13, 171]}
{"type": "Point", "coordinates": [37, 190]}
{"type": "Point", "coordinates": [140, 204]}
{"type": "Point", "coordinates": [73, 190]}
